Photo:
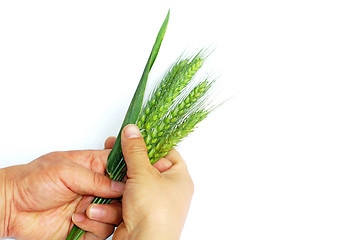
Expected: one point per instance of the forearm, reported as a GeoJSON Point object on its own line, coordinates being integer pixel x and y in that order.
{"type": "Point", "coordinates": [6, 193]}
{"type": "Point", "coordinates": [3, 205]}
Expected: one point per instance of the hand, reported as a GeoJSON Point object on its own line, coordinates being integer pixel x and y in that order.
{"type": "Point", "coordinates": [154, 204]}
{"type": "Point", "coordinates": [41, 197]}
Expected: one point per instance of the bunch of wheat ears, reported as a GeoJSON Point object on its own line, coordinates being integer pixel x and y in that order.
{"type": "Point", "coordinates": [173, 109]}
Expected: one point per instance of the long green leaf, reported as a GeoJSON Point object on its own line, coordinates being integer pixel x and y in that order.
{"type": "Point", "coordinates": [116, 163]}
{"type": "Point", "coordinates": [115, 157]}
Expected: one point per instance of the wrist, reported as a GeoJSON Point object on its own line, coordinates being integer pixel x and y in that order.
{"type": "Point", "coordinates": [5, 208]}
{"type": "Point", "coordinates": [156, 232]}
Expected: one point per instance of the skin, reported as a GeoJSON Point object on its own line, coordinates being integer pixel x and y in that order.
{"type": "Point", "coordinates": [42, 196]}
{"type": "Point", "coordinates": [43, 199]}
{"type": "Point", "coordinates": [155, 203]}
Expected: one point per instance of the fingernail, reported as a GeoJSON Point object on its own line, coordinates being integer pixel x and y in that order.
{"type": "Point", "coordinates": [78, 217]}
{"type": "Point", "coordinates": [117, 186]}
{"type": "Point", "coordinates": [95, 212]}
{"type": "Point", "coordinates": [132, 131]}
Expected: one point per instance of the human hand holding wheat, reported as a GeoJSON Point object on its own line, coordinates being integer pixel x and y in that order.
{"type": "Point", "coordinates": [154, 204]}
{"type": "Point", "coordinates": [171, 112]}
{"type": "Point", "coordinates": [74, 177]}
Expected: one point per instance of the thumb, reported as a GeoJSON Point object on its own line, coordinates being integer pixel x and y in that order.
{"type": "Point", "coordinates": [84, 181]}
{"type": "Point", "coordinates": [134, 150]}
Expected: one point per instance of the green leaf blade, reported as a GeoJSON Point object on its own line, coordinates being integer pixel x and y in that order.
{"type": "Point", "coordinates": [115, 158]}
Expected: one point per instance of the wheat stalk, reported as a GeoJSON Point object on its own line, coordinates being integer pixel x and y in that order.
{"type": "Point", "coordinates": [172, 111]}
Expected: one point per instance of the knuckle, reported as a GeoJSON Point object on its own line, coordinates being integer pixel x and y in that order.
{"type": "Point", "coordinates": [97, 165]}
{"type": "Point", "coordinates": [136, 146]}
{"type": "Point", "coordinates": [98, 180]}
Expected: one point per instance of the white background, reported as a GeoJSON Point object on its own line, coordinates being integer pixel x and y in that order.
{"type": "Point", "coordinates": [274, 162]}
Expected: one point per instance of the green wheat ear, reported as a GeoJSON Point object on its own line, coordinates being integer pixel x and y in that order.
{"type": "Point", "coordinates": [171, 86]}
{"type": "Point", "coordinates": [175, 108]}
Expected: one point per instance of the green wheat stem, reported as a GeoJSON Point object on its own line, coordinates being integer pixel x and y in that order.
{"type": "Point", "coordinates": [115, 162]}
{"type": "Point", "coordinates": [172, 111]}
{"type": "Point", "coordinates": [76, 233]}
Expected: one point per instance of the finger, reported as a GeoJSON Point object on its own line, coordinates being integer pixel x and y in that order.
{"type": "Point", "coordinates": [98, 229]}
{"type": "Point", "coordinates": [106, 213]}
{"type": "Point", "coordinates": [109, 143]}
{"type": "Point", "coordinates": [163, 164]}
{"type": "Point", "coordinates": [92, 159]}
{"type": "Point", "coordinates": [134, 150]}
{"type": "Point", "coordinates": [83, 181]}
{"type": "Point", "coordinates": [120, 232]}
{"type": "Point", "coordinates": [174, 157]}
{"type": "Point", "coordinates": [84, 203]}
